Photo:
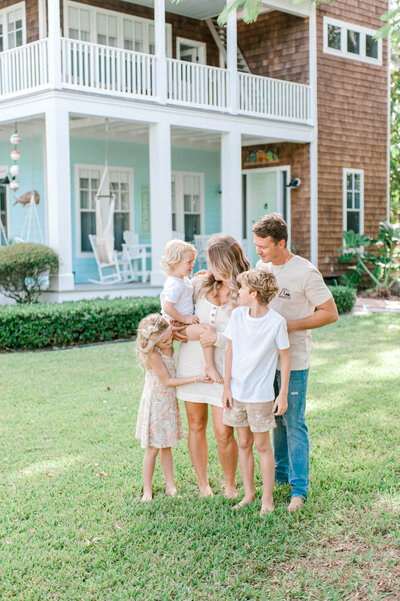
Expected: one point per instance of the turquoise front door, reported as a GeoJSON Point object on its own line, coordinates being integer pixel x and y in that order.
{"type": "Point", "coordinates": [262, 192]}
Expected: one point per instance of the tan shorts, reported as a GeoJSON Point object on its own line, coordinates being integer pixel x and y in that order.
{"type": "Point", "coordinates": [259, 417]}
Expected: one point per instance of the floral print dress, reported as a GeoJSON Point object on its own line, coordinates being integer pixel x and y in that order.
{"type": "Point", "coordinates": [159, 422]}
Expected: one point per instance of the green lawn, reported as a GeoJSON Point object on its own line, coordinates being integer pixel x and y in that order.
{"type": "Point", "coordinates": [67, 534]}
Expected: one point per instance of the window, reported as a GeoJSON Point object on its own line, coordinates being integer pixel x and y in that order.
{"type": "Point", "coordinates": [191, 51]}
{"type": "Point", "coordinates": [110, 28]}
{"type": "Point", "coordinates": [120, 182]}
{"type": "Point", "coordinates": [187, 195]}
{"type": "Point", "coordinates": [353, 200]}
{"type": "Point", "coordinates": [12, 27]}
{"type": "Point", "coordinates": [3, 213]}
{"type": "Point", "coordinates": [351, 41]}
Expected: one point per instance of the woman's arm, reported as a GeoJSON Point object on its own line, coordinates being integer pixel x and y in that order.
{"type": "Point", "coordinates": [155, 363]}
{"type": "Point", "coordinates": [281, 402]}
{"type": "Point", "coordinates": [227, 395]}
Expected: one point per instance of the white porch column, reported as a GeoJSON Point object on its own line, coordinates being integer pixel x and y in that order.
{"type": "Point", "coordinates": [58, 192]}
{"type": "Point", "coordinates": [42, 19]}
{"type": "Point", "coordinates": [54, 43]}
{"type": "Point", "coordinates": [312, 31]}
{"type": "Point", "coordinates": [231, 185]}
{"type": "Point", "coordinates": [159, 35]}
{"type": "Point", "coordinates": [160, 196]}
{"type": "Point", "coordinates": [231, 59]}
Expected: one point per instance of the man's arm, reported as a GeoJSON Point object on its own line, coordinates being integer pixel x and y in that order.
{"type": "Point", "coordinates": [325, 313]}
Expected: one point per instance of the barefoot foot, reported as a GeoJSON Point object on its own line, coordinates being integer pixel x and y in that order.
{"type": "Point", "coordinates": [231, 491]}
{"type": "Point", "coordinates": [295, 504]}
{"type": "Point", "coordinates": [243, 502]}
{"type": "Point", "coordinates": [214, 375]}
{"type": "Point", "coordinates": [171, 492]}
{"type": "Point", "coordinates": [206, 491]}
{"type": "Point", "coordinates": [266, 506]}
{"type": "Point", "coordinates": [147, 496]}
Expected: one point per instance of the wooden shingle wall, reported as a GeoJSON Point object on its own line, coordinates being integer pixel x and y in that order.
{"type": "Point", "coordinates": [297, 156]}
{"type": "Point", "coordinates": [352, 127]}
{"type": "Point", "coordinates": [276, 45]}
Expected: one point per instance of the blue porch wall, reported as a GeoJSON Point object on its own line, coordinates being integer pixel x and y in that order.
{"type": "Point", "coordinates": [31, 177]}
{"type": "Point", "coordinates": [124, 154]}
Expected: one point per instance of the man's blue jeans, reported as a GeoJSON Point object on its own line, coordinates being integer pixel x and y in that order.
{"type": "Point", "coordinates": [290, 436]}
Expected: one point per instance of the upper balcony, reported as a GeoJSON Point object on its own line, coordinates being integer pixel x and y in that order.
{"type": "Point", "coordinates": [59, 62]}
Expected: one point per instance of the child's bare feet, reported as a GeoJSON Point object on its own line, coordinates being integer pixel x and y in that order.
{"type": "Point", "coordinates": [230, 491]}
{"type": "Point", "coordinates": [213, 374]}
{"type": "Point", "coordinates": [267, 506]}
{"type": "Point", "coordinates": [171, 491]}
{"type": "Point", "coordinates": [206, 491]}
{"type": "Point", "coordinates": [243, 502]}
{"type": "Point", "coordinates": [147, 496]}
{"type": "Point", "coordinates": [295, 504]}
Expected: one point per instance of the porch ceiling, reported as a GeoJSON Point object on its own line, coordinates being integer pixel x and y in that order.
{"type": "Point", "coordinates": [196, 9]}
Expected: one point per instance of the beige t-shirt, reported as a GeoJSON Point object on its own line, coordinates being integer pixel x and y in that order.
{"type": "Point", "coordinates": [301, 289]}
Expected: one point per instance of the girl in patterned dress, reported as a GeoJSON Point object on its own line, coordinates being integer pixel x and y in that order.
{"type": "Point", "coordinates": [159, 424]}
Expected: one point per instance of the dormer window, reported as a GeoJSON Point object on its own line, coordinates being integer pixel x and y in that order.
{"type": "Point", "coordinates": [351, 41]}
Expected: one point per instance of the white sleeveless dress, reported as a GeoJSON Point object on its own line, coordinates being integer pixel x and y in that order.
{"type": "Point", "coordinates": [190, 355]}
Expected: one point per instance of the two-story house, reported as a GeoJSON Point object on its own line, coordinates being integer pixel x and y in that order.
{"type": "Point", "coordinates": [203, 129]}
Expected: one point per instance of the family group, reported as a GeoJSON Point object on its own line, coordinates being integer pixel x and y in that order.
{"type": "Point", "coordinates": [245, 342]}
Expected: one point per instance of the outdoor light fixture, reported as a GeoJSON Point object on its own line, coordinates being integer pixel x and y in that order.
{"type": "Point", "coordinates": [294, 183]}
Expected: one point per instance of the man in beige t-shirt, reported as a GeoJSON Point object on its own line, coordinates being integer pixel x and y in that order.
{"type": "Point", "coordinates": [301, 291]}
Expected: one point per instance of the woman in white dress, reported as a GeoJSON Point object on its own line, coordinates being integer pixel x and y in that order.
{"type": "Point", "coordinates": [215, 295]}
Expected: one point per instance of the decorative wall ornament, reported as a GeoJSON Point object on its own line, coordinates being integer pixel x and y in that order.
{"type": "Point", "coordinates": [257, 157]}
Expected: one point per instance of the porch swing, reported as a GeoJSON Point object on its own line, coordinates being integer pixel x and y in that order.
{"type": "Point", "coordinates": [102, 243]}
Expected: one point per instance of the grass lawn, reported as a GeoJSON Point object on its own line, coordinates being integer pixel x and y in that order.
{"type": "Point", "coordinates": [68, 534]}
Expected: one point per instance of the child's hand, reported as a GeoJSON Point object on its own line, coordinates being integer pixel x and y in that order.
{"type": "Point", "coordinates": [227, 399]}
{"type": "Point", "coordinates": [204, 379]}
{"type": "Point", "coordinates": [281, 404]}
{"type": "Point", "coordinates": [190, 319]}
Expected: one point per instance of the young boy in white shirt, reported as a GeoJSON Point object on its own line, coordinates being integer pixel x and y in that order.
{"type": "Point", "coordinates": [256, 334]}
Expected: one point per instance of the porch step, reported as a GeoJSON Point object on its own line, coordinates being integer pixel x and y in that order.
{"type": "Point", "coordinates": [219, 34]}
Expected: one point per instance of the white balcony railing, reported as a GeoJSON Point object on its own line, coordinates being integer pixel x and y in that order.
{"type": "Point", "coordinates": [274, 98]}
{"type": "Point", "coordinates": [24, 69]}
{"type": "Point", "coordinates": [114, 71]}
{"type": "Point", "coordinates": [197, 85]}
{"type": "Point", "coordinates": [87, 66]}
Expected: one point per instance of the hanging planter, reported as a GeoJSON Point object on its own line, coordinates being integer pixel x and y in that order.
{"type": "Point", "coordinates": [15, 155]}
{"type": "Point", "coordinates": [15, 139]}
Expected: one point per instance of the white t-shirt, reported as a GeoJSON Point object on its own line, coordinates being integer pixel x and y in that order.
{"type": "Point", "coordinates": [179, 292]}
{"type": "Point", "coordinates": [255, 345]}
{"type": "Point", "coordinates": [301, 289]}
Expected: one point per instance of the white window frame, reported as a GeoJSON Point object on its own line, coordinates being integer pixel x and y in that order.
{"type": "Point", "coordinates": [4, 169]}
{"type": "Point", "coordinates": [93, 10]}
{"type": "Point", "coordinates": [202, 46]}
{"type": "Point", "coordinates": [3, 19]}
{"type": "Point", "coordinates": [80, 254]}
{"type": "Point", "coordinates": [344, 28]}
{"type": "Point", "coordinates": [346, 172]}
{"type": "Point", "coordinates": [180, 203]}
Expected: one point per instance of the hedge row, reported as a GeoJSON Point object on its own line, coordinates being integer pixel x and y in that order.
{"type": "Point", "coordinates": [49, 325]}
{"type": "Point", "coordinates": [345, 298]}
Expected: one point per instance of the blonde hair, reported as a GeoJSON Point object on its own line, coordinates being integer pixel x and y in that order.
{"type": "Point", "coordinates": [150, 331]}
{"type": "Point", "coordinates": [260, 281]}
{"type": "Point", "coordinates": [173, 253]}
{"type": "Point", "coordinates": [226, 255]}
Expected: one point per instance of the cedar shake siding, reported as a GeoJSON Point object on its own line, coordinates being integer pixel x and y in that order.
{"type": "Point", "coordinates": [276, 45]}
{"type": "Point", "coordinates": [352, 128]}
{"type": "Point", "coordinates": [298, 157]}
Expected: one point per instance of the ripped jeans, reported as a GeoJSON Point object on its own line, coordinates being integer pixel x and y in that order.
{"type": "Point", "coordinates": [291, 447]}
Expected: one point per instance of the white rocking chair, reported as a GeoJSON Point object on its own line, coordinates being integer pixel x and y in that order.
{"type": "Point", "coordinates": [115, 276]}
{"type": "Point", "coordinates": [200, 242]}
{"type": "Point", "coordinates": [134, 252]}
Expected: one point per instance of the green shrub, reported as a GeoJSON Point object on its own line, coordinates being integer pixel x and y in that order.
{"type": "Point", "coordinates": [23, 268]}
{"type": "Point", "coordinates": [345, 297]}
{"type": "Point", "coordinates": [44, 325]}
